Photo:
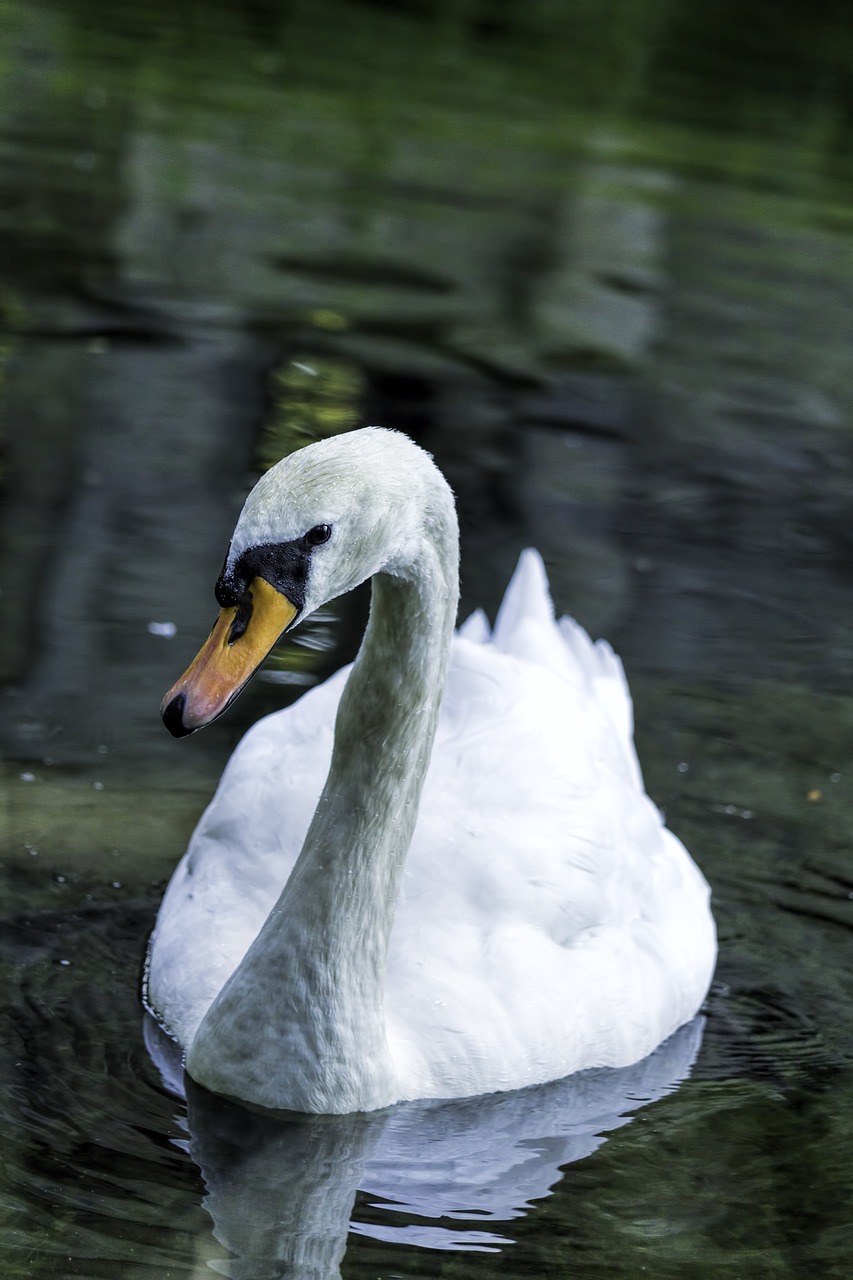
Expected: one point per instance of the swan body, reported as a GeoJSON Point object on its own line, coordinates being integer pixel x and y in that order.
{"type": "Point", "coordinates": [437, 874]}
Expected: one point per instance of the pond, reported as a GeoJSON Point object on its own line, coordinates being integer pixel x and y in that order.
{"type": "Point", "coordinates": [598, 259]}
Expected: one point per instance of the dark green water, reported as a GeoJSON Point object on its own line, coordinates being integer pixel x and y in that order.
{"type": "Point", "coordinates": [598, 258]}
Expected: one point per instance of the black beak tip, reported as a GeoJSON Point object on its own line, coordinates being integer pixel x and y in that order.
{"type": "Point", "coordinates": [173, 717]}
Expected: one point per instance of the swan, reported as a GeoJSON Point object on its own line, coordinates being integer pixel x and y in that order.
{"type": "Point", "coordinates": [437, 874]}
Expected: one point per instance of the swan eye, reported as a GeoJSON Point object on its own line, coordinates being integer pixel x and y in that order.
{"type": "Point", "coordinates": [318, 535]}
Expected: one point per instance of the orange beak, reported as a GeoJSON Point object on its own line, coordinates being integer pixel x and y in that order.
{"type": "Point", "coordinates": [229, 658]}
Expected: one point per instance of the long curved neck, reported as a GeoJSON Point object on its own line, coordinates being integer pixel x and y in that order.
{"type": "Point", "coordinates": [323, 1043]}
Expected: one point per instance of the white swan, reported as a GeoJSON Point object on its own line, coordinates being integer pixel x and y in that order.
{"type": "Point", "coordinates": [485, 898]}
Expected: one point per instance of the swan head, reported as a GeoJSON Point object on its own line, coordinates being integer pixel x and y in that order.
{"type": "Point", "coordinates": [316, 525]}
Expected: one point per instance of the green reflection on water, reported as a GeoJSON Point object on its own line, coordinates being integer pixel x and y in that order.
{"type": "Point", "coordinates": [312, 398]}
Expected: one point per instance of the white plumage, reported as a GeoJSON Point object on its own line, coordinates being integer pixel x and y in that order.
{"type": "Point", "coordinates": [545, 919]}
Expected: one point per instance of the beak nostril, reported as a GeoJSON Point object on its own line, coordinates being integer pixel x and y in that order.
{"type": "Point", "coordinates": [173, 716]}
{"type": "Point", "coordinates": [242, 617]}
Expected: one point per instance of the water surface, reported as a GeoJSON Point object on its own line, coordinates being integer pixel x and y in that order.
{"type": "Point", "coordinates": [597, 258]}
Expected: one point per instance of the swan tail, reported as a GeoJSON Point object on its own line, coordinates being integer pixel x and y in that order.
{"type": "Point", "coordinates": [526, 599]}
{"type": "Point", "coordinates": [476, 628]}
{"type": "Point", "coordinates": [526, 627]}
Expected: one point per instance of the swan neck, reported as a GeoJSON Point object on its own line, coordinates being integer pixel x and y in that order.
{"type": "Point", "coordinates": [319, 962]}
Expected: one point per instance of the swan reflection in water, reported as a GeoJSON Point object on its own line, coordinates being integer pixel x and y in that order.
{"type": "Point", "coordinates": [280, 1187]}
{"type": "Point", "coordinates": [434, 877]}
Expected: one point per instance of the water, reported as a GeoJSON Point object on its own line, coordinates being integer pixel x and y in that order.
{"type": "Point", "coordinates": [597, 258]}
